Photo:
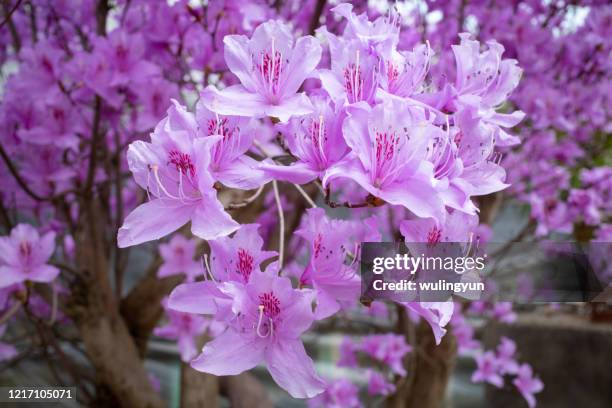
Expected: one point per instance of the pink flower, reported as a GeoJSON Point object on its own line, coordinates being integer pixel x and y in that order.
{"type": "Point", "coordinates": [174, 169]}
{"type": "Point", "coordinates": [348, 353]}
{"type": "Point", "coordinates": [7, 351]}
{"type": "Point", "coordinates": [506, 353]}
{"type": "Point", "coordinates": [316, 140]}
{"type": "Point", "coordinates": [236, 258]}
{"type": "Point", "coordinates": [527, 384]}
{"type": "Point", "coordinates": [388, 144]}
{"type": "Point", "coordinates": [229, 164]}
{"type": "Point", "coordinates": [488, 370]}
{"type": "Point", "coordinates": [335, 282]}
{"type": "Point", "coordinates": [339, 394]}
{"type": "Point", "coordinates": [24, 256]}
{"type": "Point", "coordinates": [436, 314]}
{"type": "Point", "coordinates": [266, 319]}
{"type": "Point", "coordinates": [184, 328]}
{"type": "Point", "coordinates": [389, 349]}
{"type": "Point", "coordinates": [178, 257]}
{"type": "Point", "coordinates": [271, 68]}
{"type": "Point", "coordinates": [378, 385]}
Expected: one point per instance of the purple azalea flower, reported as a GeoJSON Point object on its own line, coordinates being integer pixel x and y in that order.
{"type": "Point", "coordinates": [503, 312]}
{"type": "Point", "coordinates": [154, 96]}
{"type": "Point", "coordinates": [457, 227]}
{"type": "Point", "coordinates": [404, 72]}
{"type": "Point", "coordinates": [353, 76]}
{"type": "Point", "coordinates": [316, 140]}
{"type": "Point", "coordinates": [7, 351]}
{"type": "Point", "coordinates": [125, 53]}
{"type": "Point", "coordinates": [229, 164]}
{"type": "Point", "coordinates": [174, 171]}
{"type": "Point", "coordinates": [488, 370]}
{"type": "Point", "coordinates": [378, 384]}
{"type": "Point", "coordinates": [184, 328]}
{"type": "Point", "coordinates": [24, 255]}
{"type": "Point", "coordinates": [465, 164]}
{"type": "Point", "coordinates": [339, 394]}
{"type": "Point", "coordinates": [271, 68]}
{"type": "Point", "coordinates": [436, 314]}
{"type": "Point", "coordinates": [527, 384]}
{"type": "Point", "coordinates": [178, 257]}
{"type": "Point", "coordinates": [236, 258]}
{"type": "Point", "coordinates": [389, 349]}
{"type": "Point", "coordinates": [485, 80]}
{"type": "Point", "coordinates": [464, 333]}
{"type": "Point", "coordinates": [334, 282]}
{"type": "Point", "coordinates": [383, 29]}
{"type": "Point", "coordinates": [348, 353]}
{"type": "Point", "coordinates": [267, 317]}
{"type": "Point", "coordinates": [506, 352]}
{"type": "Point", "coordinates": [388, 145]}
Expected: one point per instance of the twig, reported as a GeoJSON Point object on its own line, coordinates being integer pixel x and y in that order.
{"type": "Point", "coordinates": [281, 219]}
{"type": "Point", "coordinates": [316, 16]}
{"type": "Point", "coordinates": [247, 201]}
{"type": "Point", "coordinates": [9, 313]}
{"type": "Point", "coordinates": [305, 195]}
{"type": "Point", "coordinates": [22, 183]}
{"type": "Point", "coordinates": [53, 306]}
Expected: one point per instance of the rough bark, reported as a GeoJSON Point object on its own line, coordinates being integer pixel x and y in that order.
{"type": "Point", "coordinates": [142, 309]}
{"type": "Point", "coordinates": [431, 367]}
{"type": "Point", "coordinates": [120, 374]}
{"type": "Point", "coordinates": [198, 389]}
{"type": "Point", "coordinates": [244, 391]}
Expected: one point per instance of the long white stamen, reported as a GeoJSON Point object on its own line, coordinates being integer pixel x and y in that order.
{"type": "Point", "coordinates": [159, 183]}
{"type": "Point", "coordinates": [261, 313]}
{"type": "Point", "coordinates": [321, 135]}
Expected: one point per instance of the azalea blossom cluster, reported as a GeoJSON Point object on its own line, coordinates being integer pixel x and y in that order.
{"type": "Point", "coordinates": [371, 128]}
{"type": "Point", "coordinates": [249, 150]}
{"type": "Point", "coordinates": [562, 170]}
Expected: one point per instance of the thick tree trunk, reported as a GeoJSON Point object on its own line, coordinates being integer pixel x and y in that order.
{"type": "Point", "coordinates": [430, 368]}
{"type": "Point", "coordinates": [198, 390]}
{"type": "Point", "coordinates": [120, 374]}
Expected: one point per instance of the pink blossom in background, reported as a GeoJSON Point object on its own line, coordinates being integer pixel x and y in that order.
{"type": "Point", "coordinates": [24, 255]}
{"type": "Point", "coordinates": [178, 256]}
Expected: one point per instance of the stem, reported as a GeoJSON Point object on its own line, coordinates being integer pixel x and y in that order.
{"type": "Point", "coordinates": [233, 206]}
{"type": "Point", "coordinates": [9, 313]}
{"type": "Point", "coordinates": [281, 219]}
{"type": "Point", "coordinates": [22, 183]}
{"type": "Point", "coordinates": [316, 16]}
{"type": "Point", "coordinates": [53, 306]}
{"type": "Point", "coordinates": [7, 19]}
{"type": "Point", "coordinates": [305, 195]}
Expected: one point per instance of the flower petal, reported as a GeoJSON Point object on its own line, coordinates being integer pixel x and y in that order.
{"type": "Point", "coordinates": [242, 173]}
{"type": "Point", "coordinates": [296, 105]}
{"type": "Point", "coordinates": [304, 59]}
{"type": "Point", "coordinates": [231, 353]}
{"type": "Point", "coordinates": [293, 370]}
{"type": "Point", "coordinates": [153, 220]}
{"type": "Point", "coordinates": [210, 221]}
{"type": "Point", "coordinates": [198, 297]}
{"type": "Point", "coordinates": [238, 59]}
{"type": "Point", "coordinates": [300, 173]}
{"type": "Point", "coordinates": [234, 100]}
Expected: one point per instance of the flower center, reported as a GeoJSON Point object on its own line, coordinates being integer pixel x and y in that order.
{"type": "Point", "coordinates": [318, 138]}
{"type": "Point", "coordinates": [433, 236]}
{"type": "Point", "coordinates": [353, 81]}
{"type": "Point", "coordinates": [182, 162]}
{"type": "Point", "coordinates": [270, 68]}
{"type": "Point", "coordinates": [386, 147]}
{"type": "Point", "coordinates": [25, 249]}
{"type": "Point", "coordinates": [245, 264]}
{"type": "Point", "coordinates": [270, 304]}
